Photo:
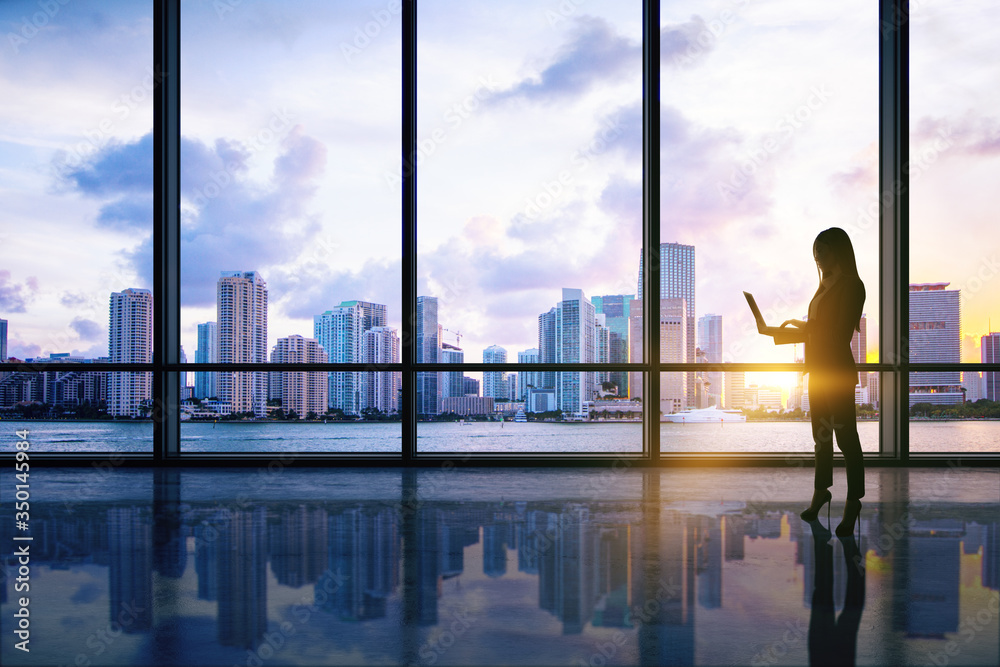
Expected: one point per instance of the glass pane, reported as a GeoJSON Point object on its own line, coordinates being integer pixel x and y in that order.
{"type": "Point", "coordinates": [954, 296]}
{"type": "Point", "coordinates": [76, 172]}
{"type": "Point", "coordinates": [530, 178]}
{"type": "Point", "coordinates": [291, 128]}
{"type": "Point", "coordinates": [760, 152]}
{"type": "Point", "coordinates": [298, 414]}
{"type": "Point", "coordinates": [571, 415]}
{"type": "Point", "coordinates": [762, 412]}
{"type": "Point", "coordinates": [78, 411]}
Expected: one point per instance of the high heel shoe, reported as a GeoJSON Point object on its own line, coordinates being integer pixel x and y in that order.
{"type": "Point", "coordinates": [851, 512]}
{"type": "Point", "coordinates": [820, 498]}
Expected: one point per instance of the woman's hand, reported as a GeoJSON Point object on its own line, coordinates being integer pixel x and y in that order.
{"type": "Point", "coordinates": [795, 323]}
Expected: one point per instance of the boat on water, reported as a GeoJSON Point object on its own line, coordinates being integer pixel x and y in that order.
{"type": "Point", "coordinates": [709, 415]}
{"type": "Point", "coordinates": [520, 416]}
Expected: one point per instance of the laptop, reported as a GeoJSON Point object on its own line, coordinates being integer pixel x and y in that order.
{"type": "Point", "coordinates": [761, 325]}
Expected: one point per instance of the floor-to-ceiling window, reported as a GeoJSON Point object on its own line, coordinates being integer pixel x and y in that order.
{"type": "Point", "coordinates": [518, 150]}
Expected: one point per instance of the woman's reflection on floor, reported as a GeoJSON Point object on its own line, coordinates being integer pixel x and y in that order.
{"type": "Point", "coordinates": [833, 640]}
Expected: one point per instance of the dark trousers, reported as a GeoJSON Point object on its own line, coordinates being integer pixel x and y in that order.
{"type": "Point", "coordinates": [831, 408]}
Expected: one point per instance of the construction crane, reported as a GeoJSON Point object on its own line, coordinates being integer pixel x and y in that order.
{"type": "Point", "coordinates": [458, 336]}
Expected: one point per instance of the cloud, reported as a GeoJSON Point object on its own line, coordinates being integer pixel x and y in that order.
{"type": "Point", "coordinates": [87, 329]}
{"type": "Point", "coordinates": [232, 223]}
{"type": "Point", "coordinates": [74, 299]}
{"type": "Point", "coordinates": [15, 297]}
{"type": "Point", "coordinates": [970, 134]}
{"type": "Point", "coordinates": [595, 53]}
{"type": "Point", "coordinates": [703, 186]}
{"type": "Point", "coordinates": [684, 44]}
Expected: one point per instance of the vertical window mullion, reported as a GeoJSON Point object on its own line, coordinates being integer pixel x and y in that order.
{"type": "Point", "coordinates": [408, 406]}
{"type": "Point", "coordinates": [651, 224]}
{"type": "Point", "coordinates": [894, 227]}
{"type": "Point", "coordinates": [166, 229]}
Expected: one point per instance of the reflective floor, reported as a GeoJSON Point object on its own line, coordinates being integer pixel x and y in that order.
{"type": "Point", "coordinates": [282, 566]}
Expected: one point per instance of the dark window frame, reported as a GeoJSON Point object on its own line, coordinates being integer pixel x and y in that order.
{"type": "Point", "coordinates": [893, 35]}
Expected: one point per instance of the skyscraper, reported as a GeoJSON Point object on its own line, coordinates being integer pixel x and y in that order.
{"type": "Point", "coordinates": [130, 341]}
{"type": "Point", "coordinates": [673, 347]}
{"type": "Point", "coordinates": [547, 353]}
{"type": "Point", "coordinates": [426, 352]}
{"type": "Point", "coordinates": [990, 350]}
{"type": "Point", "coordinates": [635, 346]}
{"type": "Point", "coordinates": [495, 384]}
{"type": "Point", "coordinates": [677, 281]}
{"type": "Point", "coordinates": [339, 330]}
{"type": "Point", "coordinates": [616, 308]}
{"type": "Point", "coordinates": [380, 390]}
{"type": "Point", "coordinates": [3, 341]}
{"type": "Point", "coordinates": [710, 343]}
{"type": "Point", "coordinates": [575, 344]}
{"type": "Point", "coordinates": [242, 320]}
{"type": "Point", "coordinates": [451, 381]}
{"type": "Point", "coordinates": [299, 391]}
{"type": "Point", "coordinates": [527, 378]}
{"type": "Point", "coordinates": [935, 336]}
{"type": "Point", "coordinates": [207, 352]}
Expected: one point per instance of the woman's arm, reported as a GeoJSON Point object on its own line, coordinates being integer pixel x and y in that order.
{"type": "Point", "coordinates": [785, 335]}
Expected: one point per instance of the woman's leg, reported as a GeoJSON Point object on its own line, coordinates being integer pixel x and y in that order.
{"type": "Point", "coordinates": [845, 418]}
{"type": "Point", "coordinates": [822, 431]}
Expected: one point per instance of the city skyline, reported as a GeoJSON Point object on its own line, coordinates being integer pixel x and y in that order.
{"type": "Point", "coordinates": [486, 254]}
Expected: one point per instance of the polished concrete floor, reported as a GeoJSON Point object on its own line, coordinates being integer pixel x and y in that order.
{"type": "Point", "coordinates": [282, 566]}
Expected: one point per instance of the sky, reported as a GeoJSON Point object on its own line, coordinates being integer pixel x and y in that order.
{"type": "Point", "coordinates": [529, 125]}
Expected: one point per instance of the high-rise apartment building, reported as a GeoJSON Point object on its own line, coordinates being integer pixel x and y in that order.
{"type": "Point", "coordinates": [547, 351]}
{"type": "Point", "coordinates": [495, 383]}
{"type": "Point", "coordinates": [380, 390]}
{"type": "Point", "coordinates": [299, 391]}
{"type": "Point", "coordinates": [426, 351]}
{"type": "Point", "coordinates": [710, 343]}
{"type": "Point", "coordinates": [207, 352]}
{"type": "Point", "coordinates": [677, 281]}
{"type": "Point", "coordinates": [575, 344]}
{"type": "Point", "coordinates": [526, 379]}
{"type": "Point", "coordinates": [339, 330]}
{"type": "Point", "coordinates": [935, 336]}
{"type": "Point", "coordinates": [242, 321]}
{"type": "Point", "coordinates": [130, 341]}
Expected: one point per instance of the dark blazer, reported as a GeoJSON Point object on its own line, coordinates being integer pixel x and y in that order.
{"type": "Point", "coordinates": [831, 326]}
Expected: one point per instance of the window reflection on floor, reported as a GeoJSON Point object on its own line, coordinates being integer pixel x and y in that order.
{"type": "Point", "coordinates": [515, 567]}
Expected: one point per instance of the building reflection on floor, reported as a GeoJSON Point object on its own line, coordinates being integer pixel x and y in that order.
{"type": "Point", "coordinates": [466, 581]}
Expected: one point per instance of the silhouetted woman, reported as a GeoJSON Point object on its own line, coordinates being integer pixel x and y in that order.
{"type": "Point", "coordinates": [834, 315]}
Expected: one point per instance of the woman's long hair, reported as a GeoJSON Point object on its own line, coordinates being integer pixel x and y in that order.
{"type": "Point", "coordinates": [839, 243]}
